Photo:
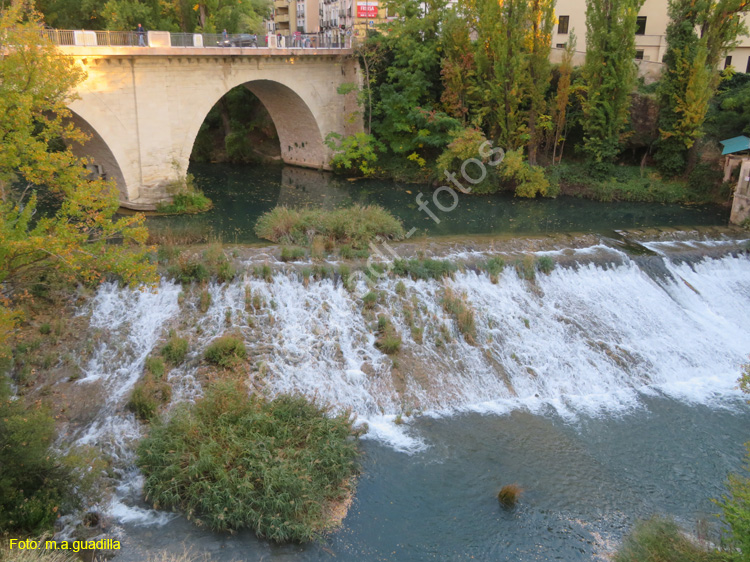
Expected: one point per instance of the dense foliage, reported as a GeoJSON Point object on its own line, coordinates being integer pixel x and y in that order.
{"type": "Point", "coordinates": [71, 236]}
{"type": "Point", "coordinates": [211, 16]}
{"type": "Point", "coordinates": [37, 484]}
{"type": "Point", "coordinates": [235, 461]}
{"type": "Point", "coordinates": [356, 226]}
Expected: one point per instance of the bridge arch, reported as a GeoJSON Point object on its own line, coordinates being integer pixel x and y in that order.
{"type": "Point", "coordinates": [102, 160]}
{"type": "Point", "coordinates": [300, 136]}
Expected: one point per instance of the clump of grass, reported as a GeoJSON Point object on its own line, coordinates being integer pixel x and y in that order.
{"type": "Point", "coordinates": [40, 554]}
{"type": "Point", "coordinates": [509, 495]}
{"type": "Point", "coordinates": [660, 540]}
{"type": "Point", "coordinates": [346, 252]}
{"type": "Point", "coordinates": [233, 461]}
{"type": "Point", "coordinates": [400, 289]}
{"type": "Point", "coordinates": [175, 349]}
{"type": "Point", "coordinates": [424, 268]}
{"type": "Point", "coordinates": [204, 301]}
{"type": "Point", "coordinates": [525, 268]}
{"type": "Point", "coordinates": [545, 264]}
{"type": "Point", "coordinates": [187, 270]}
{"type": "Point", "coordinates": [353, 226]}
{"type": "Point", "coordinates": [494, 267]}
{"type": "Point", "coordinates": [148, 396]}
{"type": "Point", "coordinates": [370, 300]}
{"type": "Point", "coordinates": [389, 341]}
{"type": "Point", "coordinates": [345, 273]}
{"type": "Point", "coordinates": [226, 352]}
{"type": "Point", "coordinates": [292, 254]}
{"type": "Point", "coordinates": [45, 329]}
{"type": "Point", "coordinates": [189, 201]}
{"type": "Point", "coordinates": [456, 305]}
{"type": "Point", "coordinates": [264, 272]}
{"type": "Point", "coordinates": [155, 366]}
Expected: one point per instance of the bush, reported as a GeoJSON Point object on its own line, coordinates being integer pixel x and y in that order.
{"type": "Point", "coordinates": [735, 505]}
{"type": "Point", "coordinates": [424, 269]}
{"type": "Point", "coordinates": [185, 203]}
{"type": "Point", "coordinates": [509, 495]}
{"type": "Point", "coordinates": [36, 483]}
{"type": "Point", "coordinates": [292, 254]}
{"type": "Point", "coordinates": [226, 352]}
{"type": "Point", "coordinates": [232, 461]}
{"type": "Point", "coordinates": [459, 309]}
{"type": "Point", "coordinates": [356, 226]}
{"type": "Point", "coordinates": [545, 264]}
{"type": "Point", "coordinates": [175, 350]}
{"type": "Point", "coordinates": [389, 341]}
{"type": "Point", "coordinates": [529, 181]}
{"type": "Point", "coordinates": [188, 270]}
{"type": "Point", "coordinates": [148, 396]}
{"type": "Point", "coordinates": [494, 267]}
{"type": "Point", "coordinates": [370, 299]}
{"type": "Point", "coordinates": [465, 145]}
{"type": "Point", "coordinates": [354, 154]}
{"type": "Point", "coordinates": [155, 366]}
{"type": "Point", "coordinates": [660, 540]}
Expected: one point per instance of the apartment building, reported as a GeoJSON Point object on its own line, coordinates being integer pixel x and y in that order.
{"type": "Point", "coordinates": [650, 35]}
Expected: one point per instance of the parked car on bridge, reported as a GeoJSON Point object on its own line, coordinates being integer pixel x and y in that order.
{"type": "Point", "coordinates": [240, 40]}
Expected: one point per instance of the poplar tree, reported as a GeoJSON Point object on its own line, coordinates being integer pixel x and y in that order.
{"type": "Point", "coordinates": [699, 33]}
{"type": "Point", "coordinates": [609, 75]}
{"type": "Point", "coordinates": [559, 113]}
{"type": "Point", "coordinates": [541, 17]}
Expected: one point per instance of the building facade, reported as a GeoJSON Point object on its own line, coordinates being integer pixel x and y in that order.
{"type": "Point", "coordinates": [650, 36]}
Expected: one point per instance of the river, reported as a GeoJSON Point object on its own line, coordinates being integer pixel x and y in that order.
{"type": "Point", "coordinates": [606, 389]}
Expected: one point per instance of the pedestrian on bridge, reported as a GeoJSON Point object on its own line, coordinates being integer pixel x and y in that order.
{"type": "Point", "coordinates": [141, 35]}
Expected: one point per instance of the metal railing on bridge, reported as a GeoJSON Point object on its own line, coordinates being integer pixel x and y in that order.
{"type": "Point", "coordinates": [86, 38]}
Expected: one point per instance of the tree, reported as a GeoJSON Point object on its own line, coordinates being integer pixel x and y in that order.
{"type": "Point", "coordinates": [692, 74]}
{"type": "Point", "coordinates": [538, 45]}
{"type": "Point", "coordinates": [77, 238]}
{"type": "Point", "coordinates": [609, 75]}
{"type": "Point", "coordinates": [562, 100]}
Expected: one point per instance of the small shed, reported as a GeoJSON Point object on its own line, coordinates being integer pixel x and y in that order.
{"type": "Point", "coordinates": [737, 152]}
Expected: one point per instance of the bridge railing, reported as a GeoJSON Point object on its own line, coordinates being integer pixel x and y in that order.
{"type": "Point", "coordinates": [86, 38]}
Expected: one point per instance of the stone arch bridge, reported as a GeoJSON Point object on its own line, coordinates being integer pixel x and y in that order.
{"type": "Point", "coordinates": [143, 107]}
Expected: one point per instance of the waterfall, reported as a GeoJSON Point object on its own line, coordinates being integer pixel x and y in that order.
{"type": "Point", "coordinates": [590, 338]}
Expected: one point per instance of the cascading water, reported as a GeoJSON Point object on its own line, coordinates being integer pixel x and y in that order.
{"type": "Point", "coordinates": [594, 336]}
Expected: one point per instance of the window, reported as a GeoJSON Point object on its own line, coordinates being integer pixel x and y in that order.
{"type": "Point", "coordinates": [562, 46]}
{"type": "Point", "coordinates": [640, 25]}
{"type": "Point", "coordinates": [562, 24]}
{"type": "Point", "coordinates": [728, 61]}
{"type": "Point", "coordinates": [748, 65]}
{"type": "Point", "coordinates": [639, 55]}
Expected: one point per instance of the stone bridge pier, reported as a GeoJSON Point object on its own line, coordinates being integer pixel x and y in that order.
{"type": "Point", "coordinates": [143, 107]}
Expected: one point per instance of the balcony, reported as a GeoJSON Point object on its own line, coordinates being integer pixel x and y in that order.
{"type": "Point", "coordinates": [281, 4]}
{"type": "Point", "coordinates": [281, 18]}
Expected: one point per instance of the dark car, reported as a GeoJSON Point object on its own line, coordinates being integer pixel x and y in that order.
{"type": "Point", "coordinates": [241, 40]}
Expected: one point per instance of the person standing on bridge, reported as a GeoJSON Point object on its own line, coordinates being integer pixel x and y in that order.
{"type": "Point", "coordinates": [141, 35]}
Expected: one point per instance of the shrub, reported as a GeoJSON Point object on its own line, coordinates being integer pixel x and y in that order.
{"type": "Point", "coordinates": [509, 495]}
{"type": "Point", "coordinates": [355, 226]}
{"type": "Point", "coordinates": [147, 396]}
{"type": "Point", "coordinates": [37, 484]}
{"type": "Point", "coordinates": [188, 202]}
{"type": "Point", "coordinates": [155, 366]}
{"type": "Point", "coordinates": [424, 269]}
{"type": "Point", "coordinates": [45, 329]}
{"type": "Point", "coordinates": [465, 145]}
{"type": "Point", "coordinates": [389, 341]}
{"type": "Point", "coordinates": [354, 154]}
{"type": "Point", "coordinates": [545, 264]}
{"type": "Point", "coordinates": [660, 540]}
{"type": "Point", "coordinates": [292, 254]}
{"type": "Point", "coordinates": [459, 309]}
{"type": "Point", "coordinates": [226, 352]}
{"type": "Point", "coordinates": [494, 267]}
{"type": "Point", "coordinates": [175, 350]}
{"type": "Point", "coordinates": [525, 268]}
{"type": "Point", "coordinates": [735, 506]}
{"type": "Point", "coordinates": [400, 288]}
{"type": "Point", "coordinates": [233, 461]}
{"type": "Point", "coordinates": [370, 299]}
{"type": "Point", "coordinates": [529, 181]}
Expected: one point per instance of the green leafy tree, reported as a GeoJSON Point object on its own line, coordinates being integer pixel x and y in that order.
{"type": "Point", "coordinates": [559, 113]}
{"type": "Point", "coordinates": [538, 44]}
{"type": "Point", "coordinates": [354, 154]}
{"type": "Point", "coordinates": [72, 239]}
{"type": "Point", "coordinates": [609, 75]}
{"type": "Point", "coordinates": [698, 34]}
{"type": "Point", "coordinates": [406, 116]}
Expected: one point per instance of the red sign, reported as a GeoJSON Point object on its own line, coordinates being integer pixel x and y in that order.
{"type": "Point", "coordinates": [368, 9]}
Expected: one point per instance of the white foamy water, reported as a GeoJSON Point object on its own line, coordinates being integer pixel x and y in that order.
{"type": "Point", "coordinates": [586, 340]}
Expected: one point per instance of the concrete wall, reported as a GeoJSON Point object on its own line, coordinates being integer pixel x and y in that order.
{"type": "Point", "coordinates": [144, 110]}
